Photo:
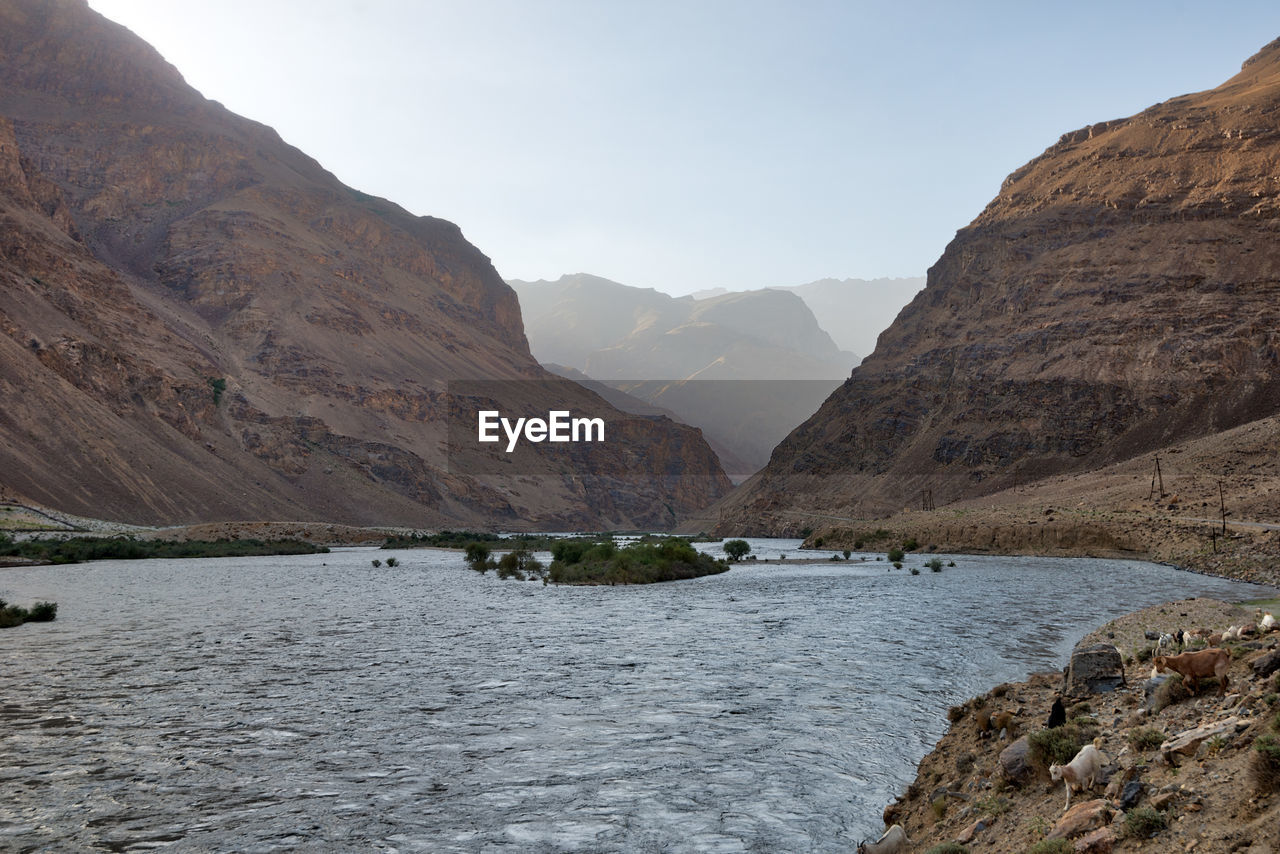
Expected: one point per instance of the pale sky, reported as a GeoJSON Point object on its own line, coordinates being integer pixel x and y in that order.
{"type": "Point", "coordinates": [689, 144]}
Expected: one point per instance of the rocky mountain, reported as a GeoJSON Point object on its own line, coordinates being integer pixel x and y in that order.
{"type": "Point", "coordinates": [199, 322]}
{"type": "Point", "coordinates": [745, 367]}
{"type": "Point", "coordinates": [853, 312]}
{"type": "Point", "coordinates": [1117, 296]}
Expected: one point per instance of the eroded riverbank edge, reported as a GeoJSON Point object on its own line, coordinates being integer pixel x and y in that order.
{"type": "Point", "coordinates": [1208, 801]}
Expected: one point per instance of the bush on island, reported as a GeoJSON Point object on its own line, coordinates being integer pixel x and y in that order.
{"type": "Point", "coordinates": [519, 564]}
{"type": "Point", "coordinates": [15, 615]}
{"type": "Point", "coordinates": [737, 549]}
{"type": "Point", "coordinates": [477, 556]}
{"type": "Point", "coordinates": [669, 559]}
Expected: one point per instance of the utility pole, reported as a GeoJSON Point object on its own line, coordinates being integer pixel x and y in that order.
{"type": "Point", "coordinates": [1156, 476]}
{"type": "Point", "coordinates": [1222, 505]}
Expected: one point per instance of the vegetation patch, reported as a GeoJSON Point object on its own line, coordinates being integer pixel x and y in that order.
{"type": "Point", "coordinates": [77, 549]}
{"type": "Point", "coordinates": [671, 559]}
{"type": "Point", "coordinates": [1057, 746]}
{"type": "Point", "coordinates": [1170, 691]}
{"type": "Point", "coordinates": [16, 615]}
{"type": "Point", "coordinates": [1143, 823]}
{"type": "Point", "coordinates": [948, 848]}
{"type": "Point", "coordinates": [1146, 738]}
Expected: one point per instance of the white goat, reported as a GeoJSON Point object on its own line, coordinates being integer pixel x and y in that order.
{"type": "Point", "coordinates": [1083, 772]}
{"type": "Point", "coordinates": [1267, 623]}
{"type": "Point", "coordinates": [894, 841]}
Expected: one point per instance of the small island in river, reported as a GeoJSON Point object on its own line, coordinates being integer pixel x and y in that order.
{"type": "Point", "coordinates": [594, 560]}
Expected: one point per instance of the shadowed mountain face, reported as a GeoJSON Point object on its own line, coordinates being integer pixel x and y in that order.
{"type": "Point", "coordinates": [199, 322]}
{"type": "Point", "coordinates": [1121, 293]}
{"type": "Point", "coordinates": [746, 367]}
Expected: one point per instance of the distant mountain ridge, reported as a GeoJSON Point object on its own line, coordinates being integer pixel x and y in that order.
{"type": "Point", "coordinates": [200, 323]}
{"type": "Point", "coordinates": [655, 346]}
{"type": "Point", "coordinates": [1120, 294]}
{"type": "Point", "coordinates": [852, 311]}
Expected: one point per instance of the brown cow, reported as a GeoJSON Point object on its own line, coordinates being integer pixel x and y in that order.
{"type": "Point", "coordinates": [1195, 666]}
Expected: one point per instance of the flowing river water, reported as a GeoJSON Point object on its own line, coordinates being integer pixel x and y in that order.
{"type": "Point", "coordinates": [317, 703]}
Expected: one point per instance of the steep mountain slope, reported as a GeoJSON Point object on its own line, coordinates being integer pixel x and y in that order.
{"type": "Point", "coordinates": [1118, 295]}
{"type": "Point", "coordinates": [744, 366]}
{"type": "Point", "coordinates": [200, 322]}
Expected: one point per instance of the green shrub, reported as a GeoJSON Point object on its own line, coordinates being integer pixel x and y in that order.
{"type": "Point", "coordinates": [12, 615]}
{"type": "Point", "coordinates": [477, 556]}
{"type": "Point", "coordinates": [914, 570]}
{"type": "Point", "coordinates": [847, 553]}
{"type": "Point", "coordinates": [948, 848]}
{"type": "Point", "coordinates": [992, 805]}
{"type": "Point", "coordinates": [1056, 746]}
{"type": "Point", "coordinates": [934, 563]}
{"type": "Point", "coordinates": [1143, 823]}
{"type": "Point", "coordinates": [392, 562]}
{"type": "Point", "coordinates": [1146, 738]}
{"type": "Point", "coordinates": [519, 564]}
{"type": "Point", "coordinates": [376, 563]}
{"type": "Point", "coordinates": [1170, 691]}
{"type": "Point", "coordinates": [663, 559]}
{"type": "Point", "coordinates": [15, 615]}
{"type": "Point", "coordinates": [43, 612]}
{"type": "Point", "coordinates": [737, 549]}
{"type": "Point", "coordinates": [895, 555]}
{"type": "Point", "coordinates": [910, 545]}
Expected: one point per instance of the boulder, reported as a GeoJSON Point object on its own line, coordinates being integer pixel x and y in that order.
{"type": "Point", "coordinates": [1094, 669]}
{"type": "Point", "coordinates": [1131, 794]}
{"type": "Point", "coordinates": [1015, 762]}
{"type": "Point", "coordinates": [1081, 819]}
{"type": "Point", "coordinates": [1267, 664]}
{"type": "Point", "coordinates": [966, 835]}
{"type": "Point", "coordinates": [1100, 841]}
{"type": "Point", "coordinates": [1188, 742]}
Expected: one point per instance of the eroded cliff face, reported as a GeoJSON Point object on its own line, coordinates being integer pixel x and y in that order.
{"type": "Point", "coordinates": [1118, 295]}
{"type": "Point", "coordinates": [200, 322]}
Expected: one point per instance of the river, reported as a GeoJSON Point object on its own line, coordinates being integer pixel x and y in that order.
{"type": "Point", "coordinates": [314, 702]}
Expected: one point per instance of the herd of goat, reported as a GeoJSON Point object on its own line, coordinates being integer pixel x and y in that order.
{"type": "Point", "coordinates": [1085, 770]}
